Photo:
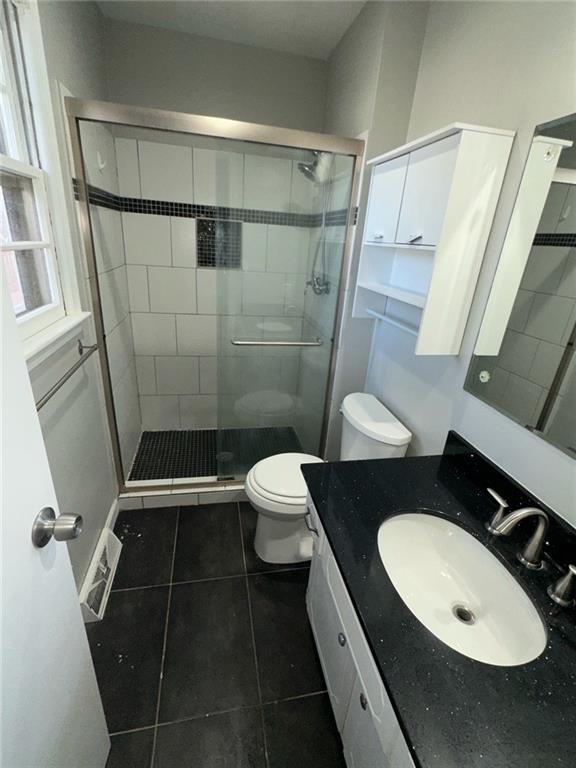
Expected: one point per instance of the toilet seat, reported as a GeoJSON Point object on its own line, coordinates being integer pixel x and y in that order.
{"type": "Point", "coordinates": [277, 484]}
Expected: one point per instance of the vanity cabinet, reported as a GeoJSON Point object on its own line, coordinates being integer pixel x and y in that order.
{"type": "Point", "coordinates": [430, 211]}
{"type": "Point", "coordinates": [371, 735]}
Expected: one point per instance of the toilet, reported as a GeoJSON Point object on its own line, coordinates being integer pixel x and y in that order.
{"type": "Point", "coordinates": [276, 488]}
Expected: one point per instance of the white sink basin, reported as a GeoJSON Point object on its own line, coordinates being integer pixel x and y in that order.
{"type": "Point", "coordinates": [459, 590]}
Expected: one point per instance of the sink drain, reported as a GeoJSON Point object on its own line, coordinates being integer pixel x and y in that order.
{"type": "Point", "coordinates": [463, 614]}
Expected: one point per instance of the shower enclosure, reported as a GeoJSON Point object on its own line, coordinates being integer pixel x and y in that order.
{"type": "Point", "coordinates": [215, 251]}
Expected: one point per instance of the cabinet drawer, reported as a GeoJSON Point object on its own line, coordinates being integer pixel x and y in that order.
{"type": "Point", "coordinates": [389, 733]}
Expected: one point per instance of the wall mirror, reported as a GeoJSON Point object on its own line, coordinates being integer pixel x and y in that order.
{"type": "Point", "coordinates": [524, 363]}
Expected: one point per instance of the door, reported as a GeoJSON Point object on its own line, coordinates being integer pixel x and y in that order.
{"type": "Point", "coordinates": [428, 182]}
{"type": "Point", "coordinates": [385, 198]}
{"type": "Point", "coordinates": [52, 716]}
{"type": "Point", "coordinates": [331, 640]}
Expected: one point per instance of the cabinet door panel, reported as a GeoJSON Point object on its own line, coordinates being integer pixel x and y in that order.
{"type": "Point", "coordinates": [331, 642]}
{"type": "Point", "coordinates": [362, 745]}
{"type": "Point", "coordinates": [428, 182]}
{"type": "Point", "coordinates": [385, 197]}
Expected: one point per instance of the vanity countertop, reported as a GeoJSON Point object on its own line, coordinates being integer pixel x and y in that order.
{"type": "Point", "coordinates": [454, 711]}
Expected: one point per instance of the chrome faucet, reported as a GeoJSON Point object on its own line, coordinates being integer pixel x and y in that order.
{"type": "Point", "coordinates": [503, 525]}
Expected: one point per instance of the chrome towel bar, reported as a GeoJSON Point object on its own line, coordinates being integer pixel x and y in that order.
{"type": "Point", "coordinates": [84, 353]}
{"type": "Point", "coordinates": [241, 343]}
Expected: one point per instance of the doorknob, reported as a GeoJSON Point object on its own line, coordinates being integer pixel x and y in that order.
{"type": "Point", "coordinates": [62, 528]}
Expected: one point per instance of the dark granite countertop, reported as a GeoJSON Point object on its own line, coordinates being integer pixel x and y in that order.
{"type": "Point", "coordinates": [454, 711]}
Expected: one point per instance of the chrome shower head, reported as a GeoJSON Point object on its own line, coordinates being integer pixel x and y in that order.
{"type": "Point", "coordinates": [310, 169]}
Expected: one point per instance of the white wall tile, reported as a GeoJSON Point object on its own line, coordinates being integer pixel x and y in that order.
{"type": "Point", "coordinates": [147, 239]}
{"type": "Point", "coordinates": [520, 310]}
{"type": "Point", "coordinates": [229, 291]}
{"type": "Point", "coordinates": [218, 178]}
{"type": "Point", "coordinates": [208, 375]}
{"type": "Point", "coordinates": [154, 334]}
{"type": "Point", "coordinates": [108, 241]}
{"type": "Point", "coordinates": [129, 502]}
{"type": "Point", "coordinates": [197, 334]}
{"type": "Point", "coordinates": [262, 293]}
{"type": "Point", "coordinates": [138, 288]}
{"type": "Point", "coordinates": [120, 349]}
{"type": "Point", "coordinates": [128, 170]}
{"type": "Point", "coordinates": [553, 208]}
{"type": "Point", "coordinates": [184, 499]}
{"type": "Point", "coordinates": [114, 297]}
{"type": "Point", "coordinates": [199, 411]}
{"type": "Point", "coordinates": [521, 398]}
{"type": "Point", "coordinates": [287, 249]}
{"type": "Point", "coordinates": [567, 285]}
{"type": "Point", "coordinates": [294, 295]}
{"type": "Point", "coordinates": [177, 375]}
{"type": "Point", "coordinates": [159, 412]}
{"type": "Point", "coordinates": [545, 363]}
{"type": "Point", "coordinates": [567, 221]}
{"type": "Point", "coordinates": [517, 353]}
{"type": "Point", "coordinates": [165, 172]}
{"type": "Point", "coordinates": [207, 291]}
{"type": "Point", "coordinates": [548, 317]}
{"type": "Point", "coordinates": [544, 268]}
{"type": "Point", "coordinates": [183, 232]}
{"type": "Point", "coordinates": [267, 183]}
{"type": "Point", "coordinates": [172, 289]}
{"type": "Point", "coordinates": [254, 239]}
{"type": "Point", "coordinates": [221, 497]}
{"type": "Point", "coordinates": [146, 375]}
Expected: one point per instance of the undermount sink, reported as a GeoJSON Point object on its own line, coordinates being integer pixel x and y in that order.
{"type": "Point", "coordinates": [459, 590]}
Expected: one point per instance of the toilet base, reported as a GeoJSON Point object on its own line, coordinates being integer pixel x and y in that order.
{"type": "Point", "coordinates": [282, 541]}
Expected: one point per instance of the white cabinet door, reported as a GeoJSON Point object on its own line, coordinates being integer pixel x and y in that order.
{"type": "Point", "coordinates": [385, 198]}
{"type": "Point", "coordinates": [331, 641]}
{"type": "Point", "coordinates": [428, 182]}
{"type": "Point", "coordinates": [362, 745]}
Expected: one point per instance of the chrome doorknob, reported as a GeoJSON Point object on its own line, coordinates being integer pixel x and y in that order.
{"type": "Point", "coordinates": [63, 528]}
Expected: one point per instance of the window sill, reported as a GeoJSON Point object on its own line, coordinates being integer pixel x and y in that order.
{"type": "Point", "coordinates": [43, 344]}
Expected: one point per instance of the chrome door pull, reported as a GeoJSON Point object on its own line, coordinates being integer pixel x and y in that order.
{"type": "Point", "coordinates": [256, 343]}
{"type": "Point", "coordinates": [341, 639]}
{"type": "Point", "coordinates": [415, 239]}
{"type": "Point", "coordinates": [363, 701]}
{"type": "Point", "coordinates": [62, 528]}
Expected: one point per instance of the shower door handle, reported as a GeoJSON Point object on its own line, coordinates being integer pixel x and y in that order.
{"type": "Point", "coordinates": [242, 343]}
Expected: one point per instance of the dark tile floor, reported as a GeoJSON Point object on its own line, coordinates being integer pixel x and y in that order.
{"type": "Point", "coordinates": [226, 453]}
{"type": "Point", "coordinates": [205, 658]}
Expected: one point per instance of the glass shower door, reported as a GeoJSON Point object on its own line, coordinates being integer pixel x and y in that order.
{"type": "Point", "coordinates": [279, 257]}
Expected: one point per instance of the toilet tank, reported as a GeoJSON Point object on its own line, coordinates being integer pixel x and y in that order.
{"type": "Point", "coordinates": [370, 431]}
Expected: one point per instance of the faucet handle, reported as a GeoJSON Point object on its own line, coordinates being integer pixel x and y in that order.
{"type": "Point", "coordinates": [564, 590]}
{"type": "Point", "coordinates": [497, 517]}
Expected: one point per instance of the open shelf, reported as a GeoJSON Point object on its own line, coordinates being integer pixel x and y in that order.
{"type": "Point", "coordinates": [394, 292]}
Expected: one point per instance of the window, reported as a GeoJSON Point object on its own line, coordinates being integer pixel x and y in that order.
{"type": "Point", "coordinates": [26, 239]}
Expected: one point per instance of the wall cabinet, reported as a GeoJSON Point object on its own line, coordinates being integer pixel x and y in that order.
{"type": "Point", "coordinates": [430, 211]}
{"type": "Point", "coordinates": [371, 735]}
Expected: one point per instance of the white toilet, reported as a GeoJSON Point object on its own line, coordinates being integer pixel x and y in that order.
{"type": "Point", "coordinates": [276, 489]}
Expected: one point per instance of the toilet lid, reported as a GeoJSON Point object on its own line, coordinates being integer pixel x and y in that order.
{"type": "Point", "coordinates": [280, 475]}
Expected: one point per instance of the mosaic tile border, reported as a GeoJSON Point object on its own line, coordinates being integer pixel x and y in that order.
{"type": "Point", "coordinates": [566, 239]}
{"type": "Point", "coordinates": [104, 199]}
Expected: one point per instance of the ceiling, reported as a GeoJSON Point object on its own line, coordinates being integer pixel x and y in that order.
{"type": "Point", "coordinates": [303, 28]}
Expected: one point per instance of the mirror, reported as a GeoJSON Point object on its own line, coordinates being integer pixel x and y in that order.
{"type": "Point", "coordinates": [524, 363]}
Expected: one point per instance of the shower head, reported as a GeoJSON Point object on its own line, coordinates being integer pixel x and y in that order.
{"type": "Point", "coordinates": [318, 170]}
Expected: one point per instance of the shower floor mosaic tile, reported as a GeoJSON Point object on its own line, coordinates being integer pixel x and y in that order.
{"type": "Point", "coordinates": [208, 452]}
{"type": "Point", "coordinates": [205, 657]}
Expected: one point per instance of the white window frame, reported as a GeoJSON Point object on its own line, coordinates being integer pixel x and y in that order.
{"type": "Point", "coordinates": [45, 329]}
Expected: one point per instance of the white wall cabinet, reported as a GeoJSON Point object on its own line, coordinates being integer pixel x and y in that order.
{"type": "Point", "coordinates": [371, 735]}
{"type": "Point", "coordinates": [430, 211]}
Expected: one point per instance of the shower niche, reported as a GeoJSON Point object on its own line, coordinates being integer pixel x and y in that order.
{"type": "Point", "coordinates": [217, 266]}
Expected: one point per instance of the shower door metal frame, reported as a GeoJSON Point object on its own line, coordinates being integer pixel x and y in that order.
{"type": "Point", "coordinates": [218, 128]}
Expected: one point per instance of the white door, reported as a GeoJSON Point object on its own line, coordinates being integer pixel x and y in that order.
{"type": "Point", "coordinates": [52, 715]}
{"type": "Point", "coordinates": [386, 190]}
{"type": "Point", "coordinates": [428, 182]}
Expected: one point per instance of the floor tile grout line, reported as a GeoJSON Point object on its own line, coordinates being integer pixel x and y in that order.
{"type": "Point", "coordinates": [217, 712]}
{"type": "Point", "coordinates": [164, 642]}
{"type": "Point", "coordinates": [253, 635]}
{"type": "Point", "coordinates": [211, 578]}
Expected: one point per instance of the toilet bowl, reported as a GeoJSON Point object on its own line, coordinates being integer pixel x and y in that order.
{"type": "Point", "coordinates": [276, 488]}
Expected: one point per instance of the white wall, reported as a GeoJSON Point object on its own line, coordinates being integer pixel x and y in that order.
{"type": "Point", "coordinates": [372, 78]}
{"type": "Point", "coordinates": [161, 68]}
{"type": "Point", "coordinates": [509, 65]}
{"type": "Point", "coordinates": [73, 422]}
